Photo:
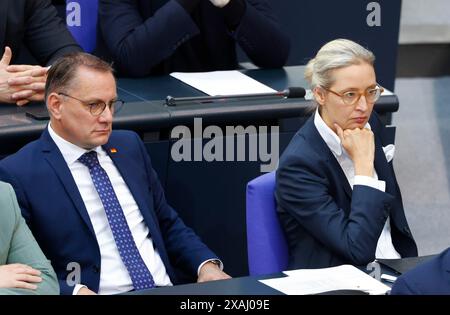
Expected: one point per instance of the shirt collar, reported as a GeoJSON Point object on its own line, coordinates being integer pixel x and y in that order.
{"type": "Point", "coordinates": [70, 152]}
{"type": "Point", "coordinates": [329, 136]}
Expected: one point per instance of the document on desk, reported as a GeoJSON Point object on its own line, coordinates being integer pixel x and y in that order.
{"type": "Point", "coordinates": [315, 281]}
{"type": "Point", "coordinates": [222, 82]}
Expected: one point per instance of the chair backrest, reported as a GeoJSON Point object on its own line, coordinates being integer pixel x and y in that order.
{"type": "Point", "coordinates": [266, 243]}
{"type": "Point", "coordinates": [81, 20]}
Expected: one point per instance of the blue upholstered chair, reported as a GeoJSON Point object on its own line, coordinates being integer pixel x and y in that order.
{"type": "Point", "coordinates": [266, 243]}
{"type": "Point", "coordinates": [81, 20]}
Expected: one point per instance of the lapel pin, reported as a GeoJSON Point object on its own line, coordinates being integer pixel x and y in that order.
{"type": "Point", "coordinates": [113, 150]}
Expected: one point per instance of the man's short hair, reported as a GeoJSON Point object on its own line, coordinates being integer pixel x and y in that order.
{"type": "Point", "coordinates": [63, 71]}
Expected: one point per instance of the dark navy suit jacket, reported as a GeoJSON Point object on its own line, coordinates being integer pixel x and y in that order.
{"type": "Point", "coordinates": [326, 222]}
{"type": "Point", "coordinates": [159, 36]}
{"type": "Point", "coordinates": [36, 24]}
{"type": "Point", "coordinates": [431, 277]}
{"type": "Point", "coordinates": [54, 210]}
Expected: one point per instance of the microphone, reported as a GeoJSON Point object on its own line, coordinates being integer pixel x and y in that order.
{"type": "Point", "coordinates": [292, 92]}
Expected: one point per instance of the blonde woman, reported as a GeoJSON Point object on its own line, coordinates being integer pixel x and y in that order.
{"type": "Point", "coordinates": [337, 195]}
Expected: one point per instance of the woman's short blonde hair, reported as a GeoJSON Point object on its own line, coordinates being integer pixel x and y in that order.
{"type": "Point", "coordinates": [333, 55]}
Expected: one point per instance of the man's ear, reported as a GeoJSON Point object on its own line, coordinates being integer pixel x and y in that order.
{"type": "Point", "coordinates": [319, 95]}
{"type": "Point", "coordinates": [54, 105]}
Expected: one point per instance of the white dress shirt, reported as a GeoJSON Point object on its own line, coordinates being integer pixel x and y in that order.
{"type": "Point", "coordinates": [385, 248]}
{"type": "Point", "coordinates": [114, 277]}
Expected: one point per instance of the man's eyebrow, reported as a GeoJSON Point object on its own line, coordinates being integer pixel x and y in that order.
{"type": "Point", "coordinates": [97, 100]}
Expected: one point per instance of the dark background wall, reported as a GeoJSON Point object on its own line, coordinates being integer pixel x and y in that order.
{"type": "Point", "coordinates": [311, 23]}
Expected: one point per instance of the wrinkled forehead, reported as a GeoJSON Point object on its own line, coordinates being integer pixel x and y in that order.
{"type": "Point", "coordinates": [359, 76]}
{"type": "Point", "coordinates": [90, 80]}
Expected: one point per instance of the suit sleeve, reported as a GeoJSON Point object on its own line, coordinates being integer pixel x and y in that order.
{"type": "Point", "coordinates": [25, 250]}
{"type": "Point", "coordinates": [19, 193]}
{"type": "Point", "coordinates": [260, 36]}
{"type": "Point", "coordinates": [185, 249]}
{"type": "Point", "coordinates": [303, 191]}
{"type": "Point", "coordinates": [46, 35]}
{"type": "Point", "coordinates": [137, 45]}
{"type": "Point", "coordinates": [402, 287]}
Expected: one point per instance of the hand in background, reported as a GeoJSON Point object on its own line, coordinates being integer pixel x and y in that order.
{"type": "Point", "coordinates": [20, 83]}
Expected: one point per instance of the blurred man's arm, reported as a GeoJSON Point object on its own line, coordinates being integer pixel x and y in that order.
{"type": "Point", "coordinates": [137, 44]}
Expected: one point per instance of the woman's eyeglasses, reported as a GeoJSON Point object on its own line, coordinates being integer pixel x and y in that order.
{"type": "Point", "coordinates": [352, 97]}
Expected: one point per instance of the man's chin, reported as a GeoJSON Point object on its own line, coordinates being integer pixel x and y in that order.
{"type": "Point", "coordinates": [99, 140]}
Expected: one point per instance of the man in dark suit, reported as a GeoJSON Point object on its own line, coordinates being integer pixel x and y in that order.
{"type": "Point", "coordinates": [431, 277]}
{"type": "Point", "coordinates": [160, 36]}
{"type": "Point", "coordinates": [91, 196]}
{"type": "Point", "coordinates": [33, 23]}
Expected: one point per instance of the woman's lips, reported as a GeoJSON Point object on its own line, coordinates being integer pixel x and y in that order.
{"type": "Point", "coordinates": [360, 120]}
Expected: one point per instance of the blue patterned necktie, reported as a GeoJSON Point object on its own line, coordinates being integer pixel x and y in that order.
{"type": "Point", "coordinates": [139, 274]}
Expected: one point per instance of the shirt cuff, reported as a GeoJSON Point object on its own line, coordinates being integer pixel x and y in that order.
{"type": "Point", "coordinates": [216, 260]}
{"type": "Point", "coordinates": [371, 182]}
{"type": "Point", "coordinates": [77, 288]}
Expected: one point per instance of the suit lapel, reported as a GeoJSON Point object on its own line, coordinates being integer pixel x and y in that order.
{"type": "Point", "coordinates": [59, 165]}
{"type": "Point", "coordinates": [337, 169]}
{"type": "Point", "coordinates": [312, 136]}
{"type": "Point", "coordinates": [382, 166]}
{"type": "Point", "coordinates": [131, 172]}
{"type": "Point", "coordinates": [385, 173]}
{"type": "Point", "coordinates": [445, 263]}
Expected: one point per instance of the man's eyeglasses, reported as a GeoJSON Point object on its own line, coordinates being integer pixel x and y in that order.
{"type": "Point", "coordinates": [352, 97]}
{"type": "Point", "coordinates": [97, 108]}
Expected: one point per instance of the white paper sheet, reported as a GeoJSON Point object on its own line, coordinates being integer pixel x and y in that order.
{"type": "Point", "coordinates": [313, 281]}
{"type": "Point", "coordinates": [222, 82]}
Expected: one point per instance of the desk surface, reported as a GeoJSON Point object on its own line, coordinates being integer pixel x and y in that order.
{"type": "Point", "coordinates": [154, 88]}
{"type": "Point", "coordinates": [145, 109]}
{"type": "Point", "coordinates": [251, 286]}
{"type": "Point", "coordinates": [235, 286]}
